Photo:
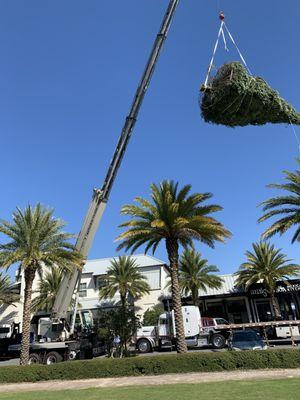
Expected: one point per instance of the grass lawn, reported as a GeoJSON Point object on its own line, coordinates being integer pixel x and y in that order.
{"type": "Point", "coordinates": [248, 390]}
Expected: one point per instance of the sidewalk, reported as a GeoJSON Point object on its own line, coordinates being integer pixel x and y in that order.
{"type": "Point", "coordinates": [153, 380]}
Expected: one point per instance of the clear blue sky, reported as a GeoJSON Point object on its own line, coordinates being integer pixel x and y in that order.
{"type": "Point", "coordinates": [68, 73]}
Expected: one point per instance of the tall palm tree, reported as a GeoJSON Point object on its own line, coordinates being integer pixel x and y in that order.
{"type": "Point", "coordinates": [47, 290]}
{"type": "Point", "coordinates": [177, 218]}
{"type": "Point", "coordinates": [196, 274]}
{"type": "Point", "coordinates": [266, 265]}
{"type": "Point", "coordinates": [123, 277]}
{"type": "Point", "coordinates": [287, 206]}
{"type": "Point", "coordinates": [7, 295]}
{"type": "Point", "coordinates": [36, 240]}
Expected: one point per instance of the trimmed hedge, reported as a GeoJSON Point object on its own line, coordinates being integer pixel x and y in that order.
{"type": "Point", "coordinates": [161, 364]}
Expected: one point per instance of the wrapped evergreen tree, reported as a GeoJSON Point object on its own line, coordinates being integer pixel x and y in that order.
{"type": "Point", "coordinates": [235, 98]}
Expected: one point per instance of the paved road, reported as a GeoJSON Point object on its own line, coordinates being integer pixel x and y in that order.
{"type": "Point", "coordinates": [155, 353]}
{"type": "Point", "coordinates": [14, 361]}
{"type": "Point", "coordinates": [153, 380]}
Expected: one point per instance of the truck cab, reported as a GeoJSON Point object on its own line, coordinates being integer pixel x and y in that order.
{"type": "Point", "coordinates": [199, 332]}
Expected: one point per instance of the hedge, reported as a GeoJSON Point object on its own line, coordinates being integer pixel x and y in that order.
{"type": "Point", "coordinates": [161, 364]}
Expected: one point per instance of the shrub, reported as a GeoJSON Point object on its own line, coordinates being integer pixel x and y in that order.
{"type": "Point", "coordinates": [152, 314]}
{"type": "Point", "coordinates": [161, 364]}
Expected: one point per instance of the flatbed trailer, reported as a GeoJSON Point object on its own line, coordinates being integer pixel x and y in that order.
{"type": "Point", "coordinates": [288, 330]}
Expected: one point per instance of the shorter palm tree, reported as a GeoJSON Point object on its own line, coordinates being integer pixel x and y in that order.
{"type": "Point", "coordinates": [196, 274]}
{"type": "Point", "coordinates": [35, 240]}
{"type": "Point", "coordinates": [287, 207]}
{"type": "Point", "coordinates": [123, 277]}
{"type": "Point", "coordinates": [7, 295]}
{"type": "Point", "coordinates": [47, 290]}
{"type": "Point", "coordinates": [266, 265]}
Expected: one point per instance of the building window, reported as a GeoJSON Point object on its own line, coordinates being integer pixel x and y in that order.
{"type": "Point", "coordinates": [101, 281]}
{"type": "Point", "coordinates": [82, 290]}
{"type": "Point", "coordinates": [152, 275]}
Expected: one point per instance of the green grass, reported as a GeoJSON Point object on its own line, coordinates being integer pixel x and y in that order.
{"type": "Point", "coordinates": [247, 390]}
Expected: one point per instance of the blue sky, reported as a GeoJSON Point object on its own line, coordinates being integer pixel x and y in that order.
{"type": "Point", "coordinates": [68, 73]}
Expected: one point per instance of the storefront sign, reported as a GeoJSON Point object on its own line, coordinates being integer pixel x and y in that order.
{"type": "Point", "coordinates": [292, 288]}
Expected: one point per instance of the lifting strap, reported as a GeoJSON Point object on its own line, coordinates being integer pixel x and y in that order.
{"type": "Point", "coordinates": [222, 33]}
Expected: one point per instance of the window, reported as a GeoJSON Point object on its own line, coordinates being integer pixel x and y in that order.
{"type": "Point", "coordinates": [152, 275]}
{"type": "Point", "coordinates": [82, 290]}
{"type": "Point", "coordinates": [101, 281]}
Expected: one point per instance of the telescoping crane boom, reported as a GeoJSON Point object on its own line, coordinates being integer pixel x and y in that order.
{"type": "Point", "coordinates": [100, 196]}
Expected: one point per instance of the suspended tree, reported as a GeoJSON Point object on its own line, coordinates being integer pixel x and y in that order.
{"type": "Point", "coordinates": [235, 98]}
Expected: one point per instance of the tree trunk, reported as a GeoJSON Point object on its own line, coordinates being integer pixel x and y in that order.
{"type": "Point", "coordinates": [172, 249]}
{"type": "Point", "coordinates": [123, 335]}
{"type": "Point", "coordinates": [275, 306]}
{"type": "Point", "coordinates": [29, 274]}
{"type": "Point", "coordinates": [195, 297]}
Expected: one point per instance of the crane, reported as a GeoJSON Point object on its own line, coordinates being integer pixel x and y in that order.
{"type": "Point", "coordinates": [100, 196]}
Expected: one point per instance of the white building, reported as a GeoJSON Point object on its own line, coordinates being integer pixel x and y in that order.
{"type": "Point", "coordinates": [93, 277]}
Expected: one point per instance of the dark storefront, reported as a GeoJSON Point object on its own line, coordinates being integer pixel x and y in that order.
{"type": "Point", "coordinates": [287, 296]}
{"type": "Point", "coordinates": [238, 306]}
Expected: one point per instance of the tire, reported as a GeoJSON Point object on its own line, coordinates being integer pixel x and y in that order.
{"type": "Point", "coordinates": [34, 358]}
{"type": "Point", "coordinates": [144, 346]}
{"type": "Point", "coordinates": [218, 341]}
{"type": "Point", "coordinates": [52, 358]}
{"type": "Point", "coordinates": [72, 356]}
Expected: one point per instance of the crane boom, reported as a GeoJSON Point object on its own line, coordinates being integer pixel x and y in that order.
{"type": "Point", "coordinates": [100, 196]}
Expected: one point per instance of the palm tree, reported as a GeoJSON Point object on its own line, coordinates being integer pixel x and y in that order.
{"type": "Point", "coordinates": [7, 295]}
{"type": "Point", "coordinates": [47, 290]}
{"type": "Point", "coordinates": [266, 265]}
{"type": "Point", "coordinates": [177, 218]}
{"type": "Point", "coordinates": [287, 205]}
{"type": "Point", "coordinates": [195, 274]}
{"type": "Point", "coordinates": [123, 277]}
{"type": "Point", "coordinates": [36, 241]}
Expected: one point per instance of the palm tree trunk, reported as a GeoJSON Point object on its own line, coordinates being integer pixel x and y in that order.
{"type": "Point", "coordinates": [172, 249]}
{"type": "Point", "coordinates": [275, 306]}
{"type": "Point", "coordinates": [195, 297]}
{"type": "Point", "coordinates": [123, 336]}
{"type": "Point", "coordinates": [29, 277]}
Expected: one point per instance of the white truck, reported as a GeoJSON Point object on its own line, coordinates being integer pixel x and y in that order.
{"type": "Point", "coordinates": [198, 332]}
{"type": "Point", "coordinates": [207, 331]}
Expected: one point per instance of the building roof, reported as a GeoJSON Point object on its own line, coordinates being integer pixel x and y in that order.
{"type": "Point", "coordinates": [100, 266]}
{"type": "Point", "coordinates": [228, 287]}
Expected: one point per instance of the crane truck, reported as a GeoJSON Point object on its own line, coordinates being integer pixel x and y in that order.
{"type": "Point", "coordinates": [55, 338]}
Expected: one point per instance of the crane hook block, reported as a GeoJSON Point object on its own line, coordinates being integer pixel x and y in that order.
{"type": "Point", "coordinates": [222, 16]}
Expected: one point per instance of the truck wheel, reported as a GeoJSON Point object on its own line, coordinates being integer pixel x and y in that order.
{"type": "Point", "coordinates": [218, 341]}
{"type": "Point", "coordinates": [144, 346]}
{"type": "Point", "coordinates": [53, 358]}
{"type": "Point", "coordinates": [72, 356]}
{"type": "Point", "coordinates": [34, 358]}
